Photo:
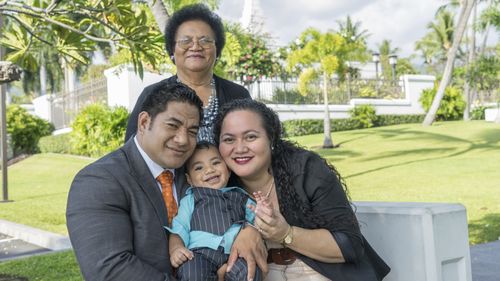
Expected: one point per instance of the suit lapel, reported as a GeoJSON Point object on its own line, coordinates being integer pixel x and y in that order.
{"type": "Point", "coordinates": [180, 182]}
{"type": "Point", "coordinates": [144, 178]}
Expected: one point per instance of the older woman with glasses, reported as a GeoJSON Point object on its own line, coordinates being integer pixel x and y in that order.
{"type": "Point", "coordinates": [194, 39]}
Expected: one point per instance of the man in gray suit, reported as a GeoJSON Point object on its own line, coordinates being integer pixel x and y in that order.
{"type": "Point", "coordinates": [116, 213]}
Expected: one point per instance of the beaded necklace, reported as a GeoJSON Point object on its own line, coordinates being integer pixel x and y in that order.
{"type": "Point", "coordinates": [205, 132]}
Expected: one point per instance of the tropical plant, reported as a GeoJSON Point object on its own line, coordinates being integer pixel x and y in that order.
{"type": "Point", "coordinates": [451, 107]}
{"type": "Point", "coordinates": [73, 27]}
{"type": "Point", "coordinates": [354, 36]}
{"type": "Point", "coordinates": [248, 57]}
{"type": "Point", "coordinates": [322, 55]}
{"type": "Point", "coordinates": [98, 129]}
{"type": "Point", "coordinates": [364, 116]}
{"type": "Point", "coordinates": [25, 129]}
{"type": "Point", "coordinates": [451, 56]}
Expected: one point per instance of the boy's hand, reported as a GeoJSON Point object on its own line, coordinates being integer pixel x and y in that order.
{"type": "Point", "coordinates": [180, 255]}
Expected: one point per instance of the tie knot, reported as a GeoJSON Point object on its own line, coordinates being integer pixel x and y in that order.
{"type": "Point", "coordinates": [165, 178]}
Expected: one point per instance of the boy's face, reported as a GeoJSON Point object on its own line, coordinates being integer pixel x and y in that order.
{"type": "Point", "coordinates": [206, 168]}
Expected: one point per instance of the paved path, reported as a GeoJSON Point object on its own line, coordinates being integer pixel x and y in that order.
{"type": "Point", "coordinates": [11, 248]}
{"type": "Point", "coordinates": [485, 261]}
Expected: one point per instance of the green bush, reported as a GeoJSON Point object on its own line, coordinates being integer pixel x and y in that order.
{"type": "Point", "coordinates": [56, 144]}
{"type": "Point", "coordinates": [25, 129]}
{"type": "Point", "coordinates": [98, 129]}
{"type": "Point", "coordinates": [452, 105]}
{"type": "Point", "coordinates": [478, 113]}
{"type": "Point", "coordinates": [364, 115]}
{"type": "Point", "coordinates": [301, 127]}
{"type": "Point", "coordinates": [387, 120]}
{"type": "Point", "coordinates": [367, 92]}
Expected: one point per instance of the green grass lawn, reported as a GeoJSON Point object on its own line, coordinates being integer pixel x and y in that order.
{"type": "Point", "coordinates": [61, 266]}
{"type": "Point", "coordinates": [448, 162]}
{"type": "Point", "coordinates": [39, 188]}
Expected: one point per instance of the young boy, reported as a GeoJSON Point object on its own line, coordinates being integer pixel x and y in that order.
{"type": "Point", "coordinates": [209, 218]}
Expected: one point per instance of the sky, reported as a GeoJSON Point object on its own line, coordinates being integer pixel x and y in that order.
{"type": "Point", "coordinates": [401, 21]}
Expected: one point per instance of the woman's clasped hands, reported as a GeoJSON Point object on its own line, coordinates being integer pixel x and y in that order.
{"type": "Point", "coordinates": [268, 220]}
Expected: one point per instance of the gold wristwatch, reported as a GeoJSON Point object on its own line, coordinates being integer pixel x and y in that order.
{"type": "Point", "coordinates": [288, 237]}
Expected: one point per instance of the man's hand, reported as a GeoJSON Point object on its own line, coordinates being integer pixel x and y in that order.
{"type": "Point", "coordinates": [249, 246]}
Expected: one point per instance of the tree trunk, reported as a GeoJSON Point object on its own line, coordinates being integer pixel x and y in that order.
{"type": "Point", "coordinates": [43, 77]}
{"type": "Point", "coordinates": [160, 13]}
{"type": "Point", "coordinates": [468, 90]}
{"type": "Point", "coordinates": [327, 142]}
{"type": "Point", "coordinates": [452, 53]}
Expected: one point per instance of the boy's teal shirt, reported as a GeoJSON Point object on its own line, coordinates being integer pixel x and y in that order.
{"type": "Point", "coordinates": [181, 225]}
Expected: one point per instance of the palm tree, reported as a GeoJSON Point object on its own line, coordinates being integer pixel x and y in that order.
{"type": "Point", "coordinates": [435, 45]}
{"type": "Point", "coordinates": [385, 50]}
{"type": "Point", "coordinates": [452, 54]}
{"type": "Point", "coordinates": [354, 36]}
{"type": "Point", "coordinates": [321, 54]}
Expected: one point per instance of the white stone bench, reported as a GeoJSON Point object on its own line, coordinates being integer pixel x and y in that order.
{"type": "Point", "coordinates": [419, 241]}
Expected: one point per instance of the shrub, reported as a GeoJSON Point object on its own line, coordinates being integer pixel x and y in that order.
{"type": "Point", "coordinates": [387, 120]}
{"type": "Point", "coordinates": [367, 92]}
{"type": "Point", "coordinates": [25, 129]}
{"type": "Point", "coordinates": [364, 115]}
{"type": "Point", "coordinates": [452, 105]}
{"type": "Point", "coordinates": [98, 129]}
{"type": "Point", "coordinates": [56, 144]}
{"type": "Point", "coordinates": [301, 127]}
{"type": "Point", "coordinates": [478, 113]}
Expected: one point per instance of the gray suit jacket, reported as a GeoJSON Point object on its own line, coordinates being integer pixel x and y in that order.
{"type": "Point", "coordinates": [115, 218]}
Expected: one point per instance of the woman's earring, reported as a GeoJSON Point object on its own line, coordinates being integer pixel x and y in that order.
{"type": "Point", "coordinates": [172, 58]}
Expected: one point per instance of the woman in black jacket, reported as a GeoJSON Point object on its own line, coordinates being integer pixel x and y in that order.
{"type": "Point", "coordinates": [194, 39]}
{"type": "Point", "coordinates": [305, 216]}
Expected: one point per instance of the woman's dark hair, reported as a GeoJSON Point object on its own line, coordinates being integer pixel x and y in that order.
{"type": "Point", "coordinates": [290, 203]}
{"type": "Point", "coordinates": [195, 12]}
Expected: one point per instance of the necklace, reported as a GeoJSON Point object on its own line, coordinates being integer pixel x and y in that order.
{"type": "Point", "coordinates": [209, 113]}
{"type": "Point", "coordinates": [270, 188]}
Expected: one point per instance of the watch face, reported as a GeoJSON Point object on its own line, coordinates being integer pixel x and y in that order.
{"type": "Point", "coordinates": [288, 239]}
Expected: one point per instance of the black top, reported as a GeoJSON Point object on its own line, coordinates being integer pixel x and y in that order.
{"type": "Point", "coordinates": [226, 92]}
{"type": "Point", "coordinates": [317, 184]}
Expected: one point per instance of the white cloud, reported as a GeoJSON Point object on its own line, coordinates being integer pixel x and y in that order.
{"type": "Point", "coordinates": [402, 22]}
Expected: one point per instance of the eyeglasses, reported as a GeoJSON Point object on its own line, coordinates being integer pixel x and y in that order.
{"type": "Point", "coordinates": [188, 42]}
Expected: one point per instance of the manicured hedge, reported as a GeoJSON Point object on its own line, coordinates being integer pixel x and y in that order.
{"type": "Point", "coordinates": [294, 128]}
{"type": "Point", "coordinates": [56, 144]}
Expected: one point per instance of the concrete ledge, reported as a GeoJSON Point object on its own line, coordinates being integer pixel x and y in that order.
{"type": "Point", "coordinates": [35, 236]}
{"type": "Point", "coordinates": [419, 241]}
{"type": "Point", "coordinates": [490, 114]}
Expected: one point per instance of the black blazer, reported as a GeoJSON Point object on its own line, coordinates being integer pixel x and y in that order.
{"type": "Point", "coordinates": [115, 217]}
{"type": "Point", "coordinates": [226, 92]}
{"type": "Point", "coordinates": [315, 183]}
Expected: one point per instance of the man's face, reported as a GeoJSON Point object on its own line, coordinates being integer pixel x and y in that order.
{"type": "Point", "coordinates": [170, 138]}
{"type": "Point", "coordinates": [207, 169]}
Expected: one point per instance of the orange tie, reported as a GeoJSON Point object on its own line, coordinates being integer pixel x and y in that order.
{"type": "Point", "coordinates": [166, 180]}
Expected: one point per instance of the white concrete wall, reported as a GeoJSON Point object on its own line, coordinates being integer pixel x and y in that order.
{"type": "Point", "coordinates": [419, 241]}
{"type": "Point", "coordinates": [42, 107]}
{"type": "Point", "coordinates": [124, 86]}
{"type": "Point", "coordinates": [414, 84]}
{"type": "Point", "coordinates": [490, 114]}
